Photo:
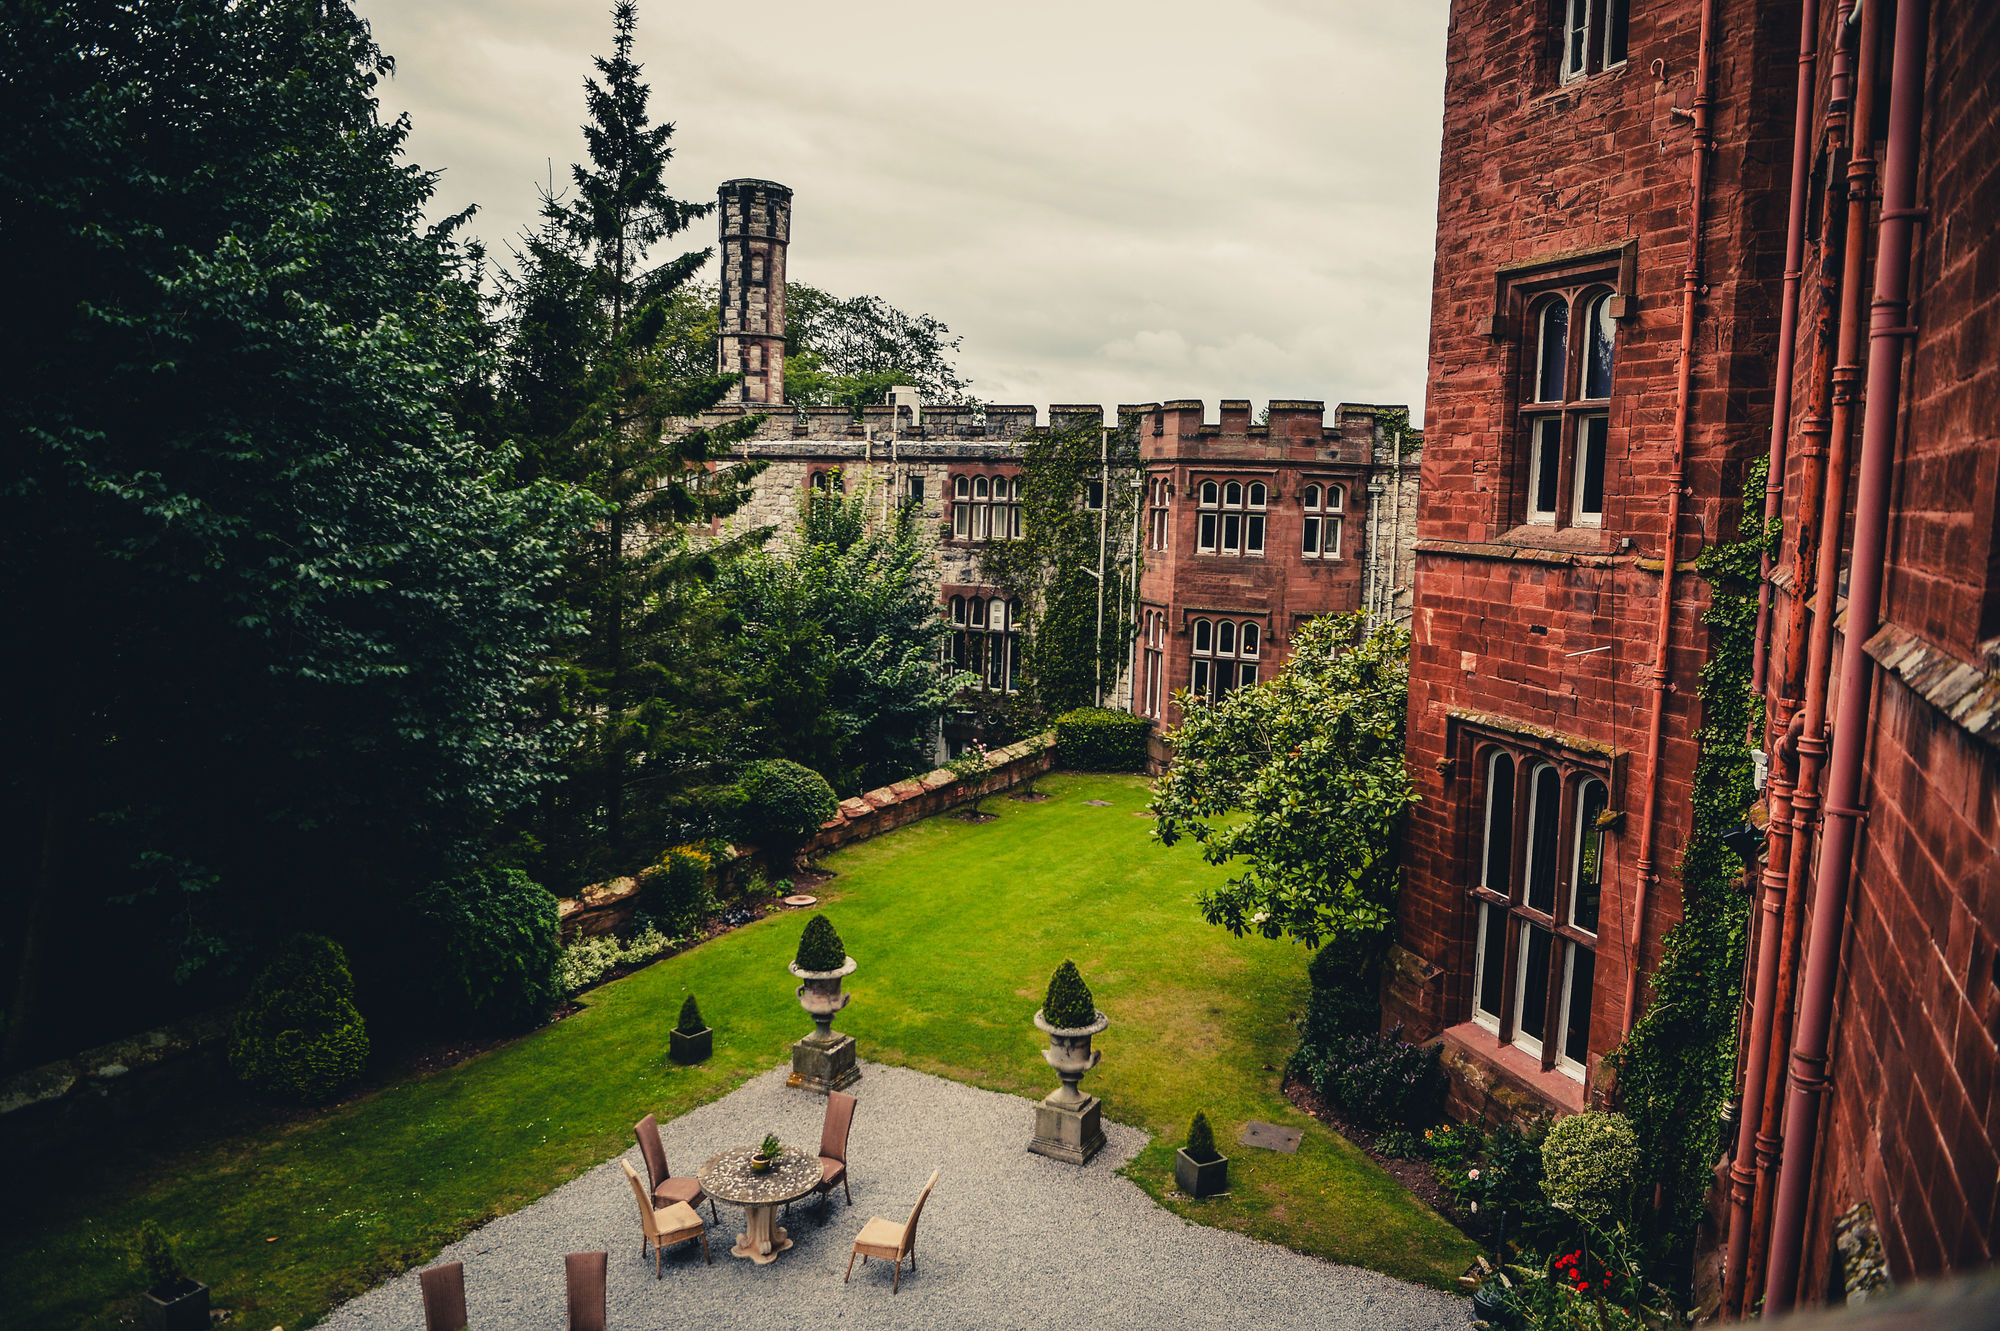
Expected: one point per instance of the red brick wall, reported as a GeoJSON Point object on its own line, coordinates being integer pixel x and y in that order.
{"type": "Point", "coordinates": [1553, 629]}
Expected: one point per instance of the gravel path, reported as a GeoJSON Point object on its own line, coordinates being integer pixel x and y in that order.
{"type": "Point", "coordinates": [1009, 1239]}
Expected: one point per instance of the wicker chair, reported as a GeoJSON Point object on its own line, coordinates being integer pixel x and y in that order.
{"type": "Point", "coordinates": [584, 1272]}
{"type": "Point", "coordinates": [891, 1241]}
{"type": "Point", "coordinates": [663, 1225]}
{"type": "Point", "coordinates": [666, 1188]}
{"type": "Point", "coordinates": [833, 1148]}
{"type": "Point", "coordinates": [444, 1297]}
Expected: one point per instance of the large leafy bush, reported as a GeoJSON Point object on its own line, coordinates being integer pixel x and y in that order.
{"type": "Point", "coordinates": [1097, 739]}
{"type": "Point", "coordinates": [298, 1035]}
{"type": "Point", "coordinates": [783, 804]}
{"type": "Point", "coordinates": [498, 948]}
{"type": "Point", "coordinates": [676, 894]}
{"type": "Point", "coordinates": [1377, 1080]}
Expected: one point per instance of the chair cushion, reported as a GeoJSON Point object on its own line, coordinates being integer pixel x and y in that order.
{"type": "Point", "coordinates": [673, 1190]}
{"type": "Point", "coordinates": [880, 1233]}
{"type": "Point", "coordinates": [830, 1170]}
{"type": "Point", "coordinates": [680, 1219]}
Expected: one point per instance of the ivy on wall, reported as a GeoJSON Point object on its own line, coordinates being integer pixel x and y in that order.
{"type": "Point", "coordinates": [1066, 658]}
{"type": "Point", "coordinates": [1676, 1069]}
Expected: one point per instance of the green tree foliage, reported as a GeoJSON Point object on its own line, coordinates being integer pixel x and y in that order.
{"type": "Point", "coordinates": [298, 1035]}
{"type": "Point", "coordinates": [1589, 1162]}
{"type": "Point", "coordinates": [590, 376]}
{"type": "Point", "coordinates": [820, 948]}
{"type": "Point", "coordinates": [497, 949]}
{"type": "Point", "coordinates": [676, 895]}
{"type": "Point", "coordinates": [1071, 652]}
{"type": "Point", "coordinates": [784, 803]}
{"type": "Point", "coordinates": [282, 616]}
{"type": "Point", "coordinates": [842, 660]}
{"type": "Point", "coordinates": [852, 352]}
{"type": "Point", "coordinates": [1069, 1003]}
{"type": "Point", "coordinates": [1300, 783]}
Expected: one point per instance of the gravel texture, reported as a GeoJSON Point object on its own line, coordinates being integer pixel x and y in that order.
{"type": "Point", "coordinates": [1009, 1239]}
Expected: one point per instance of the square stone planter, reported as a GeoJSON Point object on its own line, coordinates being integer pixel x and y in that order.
{"type": "Point", "coordinates": [1196, 1178]}
{"type": "Point", "coordinates": [685, 1049]}
{"type": "Point", "coordinates": [185, 1311]}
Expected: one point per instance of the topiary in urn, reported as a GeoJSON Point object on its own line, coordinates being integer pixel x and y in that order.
{"type": "Point", "coordinates": [1199, 1169]}
{"type": "Point", "coordinates": [1067, 1121]}
{"type": "Point", "coordinates": [691, 1040]}
{"type": "Point", "coordinates": [822, 1061]}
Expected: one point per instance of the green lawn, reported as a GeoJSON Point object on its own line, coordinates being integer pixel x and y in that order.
{"type": "Point", "coordinates": [956, 927]}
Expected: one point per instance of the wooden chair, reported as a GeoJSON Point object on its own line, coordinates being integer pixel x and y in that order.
{"type": "Point", "coordinates": [443, 1288]}
{"type": "Point", "coordinates": [833, 1148]}
{"type": "Point", "coordinates": [666, 1188]}
{"type": "Point", "coordinates": [663, 1225]}
{"type": "Point", "coordinates": [891, 1241]}
{"type": "Point", "coordinates": [585, 1273]}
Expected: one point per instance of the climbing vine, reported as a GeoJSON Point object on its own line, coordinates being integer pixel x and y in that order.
{"type": "Point", "coordinates": [1051, 568]}
{"type": "Point", "coordinates": [1676, 1068]}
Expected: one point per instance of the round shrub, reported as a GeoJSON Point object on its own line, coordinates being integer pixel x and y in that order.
{"type": "Point", "coordinates": [783, 804]}
{"type": "Point", "coordinates": [1098, 739]}
{"type": "Point", "coordinates": [690, 1022]}
{"type": "Point", "coordinates": [498, 948]}
{"type": "Point", "coordinates": [1588, 1164]}
{"type": "Point", "coordinates": [1201, 1140]}
{"type": "Point", "coordinates": [1069, 1003]}
{"type": "Point", "coordinates": [675, 892]}
{"type": "Point", "coordinates": [820, 948]}
{"type": "Point", "coordinates": [298, 1035]}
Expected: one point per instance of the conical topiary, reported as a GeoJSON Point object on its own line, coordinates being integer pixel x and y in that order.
{"type": "Point", "coordinates": [297, 1034]}
{"type": "Point", "coordinates": [1201, 1139]}
{"type": "Point", "coordinates": [820, 948]}
{"type": "Point", "coordinates": [690, 1022]}
{"type": "Point", "coordinates": [1069, 1003]}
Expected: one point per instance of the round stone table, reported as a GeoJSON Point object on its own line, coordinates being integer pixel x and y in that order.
{"type": "Point", "coordinates": [728, 1178]}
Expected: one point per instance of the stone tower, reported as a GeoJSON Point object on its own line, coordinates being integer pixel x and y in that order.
{"type": "Point", "coordinates": [756, 222]}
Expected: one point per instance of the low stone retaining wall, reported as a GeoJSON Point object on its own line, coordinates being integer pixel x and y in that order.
{"type": "Point", "coordinates": [60, 1104]}
{"type": "Point", "coordinates": [919, 797]}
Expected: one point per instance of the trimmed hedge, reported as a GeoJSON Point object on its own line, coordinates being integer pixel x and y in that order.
{"type": "Point", "coordinates": [1589, 1162]}
{"type": "Point", "coordinates": [783, 804]}
{"type": "Point", "coordinates": [298, 1034]}
{"type": "Point", "coordinates": [1097, 739]}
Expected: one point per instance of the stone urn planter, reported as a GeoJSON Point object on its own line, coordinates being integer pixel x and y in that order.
{"type": "Point", "coordinates": [185, 1309]}
{"type": "Point", "coordinates": [1200, 1178]}
{"type": "Point", "coordinates": [1068, 1123]}
{"type": "Point", "coordinates": [824, 1060]}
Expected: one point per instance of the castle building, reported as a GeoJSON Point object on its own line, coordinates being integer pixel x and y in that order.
{"type": "Point", "coordinates": [1243, 530]}
{"type": "Point", "coordinates": [1674, 239]}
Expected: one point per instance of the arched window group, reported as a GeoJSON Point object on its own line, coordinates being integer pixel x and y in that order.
{"type": "Point", "coordinates": [985, 508]}
{"type": "Point", "coordinates": [1152, 661]}
{"type": "Point", "coordinates": [1566, 406]}
{"type": "Point", "coordinates": [1231, 517]}
{"type": "Point", "coordinates": [827, 482]}
{"type": "Point", "coordinates": [1538, 884]}
{"type": "Point", "coordinates": [1225, 655]}
{"type": "Point", "coordinates": [1159, 491]}
{"type": "Point", "coordinates": [986, 639]}
{"type": "Point", "coordinates": [1323, 507]}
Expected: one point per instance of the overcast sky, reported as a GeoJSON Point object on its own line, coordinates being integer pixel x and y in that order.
{"type": "Point", "coordinates": [1109, 200]}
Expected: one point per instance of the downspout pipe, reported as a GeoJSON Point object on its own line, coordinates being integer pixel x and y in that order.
{"type": "Point", "coordinates": [1788, 319]}
{"type": "Point", "coordinates": [1888, 332]}
{"type": "Point", "coordinates": [1820, 529]}
{"type": "Point", "coordinates": [1691, 285]}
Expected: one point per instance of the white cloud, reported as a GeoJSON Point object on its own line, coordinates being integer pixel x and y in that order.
{"type": "Point", "coordinates": [1108, 199]}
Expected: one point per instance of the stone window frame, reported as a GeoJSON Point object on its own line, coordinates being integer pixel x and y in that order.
{"type": "Point", "coordinates": [1232, 517]}
{"type": "Point", "coordinates": [1159, 500]}
{"type": "Point", "coordinates": [1323, 503]}
{"type": "Point", "coordinates": [827, 481]}
{"type": "Point", "coordinates": [1593, 37]}
{"type": "Point", "coordinates": [1574, 944]}
{"type": "Point", "coordinates": [980, 645]}
{"type": "Point", "coordinates": [1216, 670]}
{"type": "Point", "coordinates": [1153, 656]}
{"type": "Point", "coordinates": [983, 504]}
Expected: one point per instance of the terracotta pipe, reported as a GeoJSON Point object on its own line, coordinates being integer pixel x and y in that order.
{"type": "Point", "coordinates": [1788, 318]}
{"type": "Point", "coordinates": [1888, 331]}
{"type": "Point", "coordinates": [1691, 284]}
{"type": "Point", "coordinates": [1820, 527]}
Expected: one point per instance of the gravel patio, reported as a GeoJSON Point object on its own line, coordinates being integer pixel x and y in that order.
{"type": "Point", "coordinates": [1009, 1239]}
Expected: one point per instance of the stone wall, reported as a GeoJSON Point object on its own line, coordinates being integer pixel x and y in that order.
{"type": "Point", "coordinates": [59, 1105]}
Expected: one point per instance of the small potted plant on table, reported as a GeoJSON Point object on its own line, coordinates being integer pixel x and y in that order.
{"type": "Point", "coordinates": [1199, 1169]}
{"type": "Point", "coordinates": [690, 1041]}
{"type": "Point", "coordinates": [767, 1155]}
{"type": "Point", "coordinates": [174, 1300]}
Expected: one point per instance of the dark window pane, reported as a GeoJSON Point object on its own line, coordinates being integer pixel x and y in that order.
{"type": "Point", "coordinates": [1548, 459]}
{"type": "Point", "coordinates": [1249, 675]}
{"type": "Point", "coordinates": [1533, 998]}
{"type": "Point", "coordinates": [1201, 679]}
{"type": "Point", "coordinates": [1492, 959]}
{"type": "Point", "coordinates": [1553, 352]}
{"type": "Point", "coordinates": [1589, 857]}
{"type": "Point", "coordinates": [1590, 467]}
{"type": "Point", "coordinates": [1499, 824]}
{"type": "Point", "coordinates": [1232, 532]}
{"type": "Point", "coordinates": [1202, 629]}
{"type": "Point", "coordinates": [1309, 544]}
{"type": "Point", "coordinates": [1207, 541]}
{"type": "Point", "coordinates": [1614, 32]}
{"type": "Point", "coordinates": [1225, 638]}
{"type": "Point", "coordinates": [1542, 836]}
{"type": "Point", "coordinates": [1253, 534]}
{"type": "Point", "coordinates": [1582, 978]}
{"type": "Point", "coordinates": [1597, 361]}
{"type": "Point", "coordinates": [917, 489]}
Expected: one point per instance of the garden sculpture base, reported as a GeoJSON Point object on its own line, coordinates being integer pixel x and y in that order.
{"type": "Point", "coordinates": [1070, 1133]}
{"type": "Point", "coordinates": [821, 1066]}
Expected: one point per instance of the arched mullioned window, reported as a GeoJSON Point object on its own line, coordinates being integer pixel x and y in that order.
{"type": "Point", "coordinates": [1224, 654]}
{"type": "Point", "coordinates": [985, 508]}
{"type": "Point", "coordinates": [986, 639]}
{"type": "Point", "coordinates": [1231, 517]}
{"type": "Point", "coordinates": [1321, 505]}
{"type": "Point", "coordinates": [1566, 416]}
{"type": "Point", "coordinates": [1159, 493]}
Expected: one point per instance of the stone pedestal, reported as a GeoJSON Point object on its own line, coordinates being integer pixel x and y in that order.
{"type": "Point", "coordinates": [1071, 1134]}
{"type": "Point", "coordinates": [822, 1066]}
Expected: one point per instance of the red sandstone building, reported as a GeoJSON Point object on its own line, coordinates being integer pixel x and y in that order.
{"type": "Point", "coordinates": [1644, 259]}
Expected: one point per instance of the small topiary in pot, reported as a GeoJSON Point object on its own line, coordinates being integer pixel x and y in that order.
{"type": "Point", "coordinates": [173, 1300]}
{"type": "Point", "coordinates": [1069, 1003]}
{"type": "Point", "coordinates": [690, 1041]}
{"type": "Point", "coordinates": [1069, 1017]}
{"type": "Point", "coordinates": [1199, 1169]}
{"type": "Point", "coordinates": [820, 948]}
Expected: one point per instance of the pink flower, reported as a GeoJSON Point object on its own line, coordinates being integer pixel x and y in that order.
{"type": "Point", "coordinates": [1474, 1175]}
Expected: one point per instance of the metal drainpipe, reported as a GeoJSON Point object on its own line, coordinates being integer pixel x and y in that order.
{"type": "Point", "coordinates": [1691, 284]}
{"type": "Point", "coordinates": [1829, 523]}
{"type": "Point", "coordinates": [1887, 332]}
{"type": "Point", "coordinates": [1788, 318]}
{"type": "Point", "coordinates": [1103, 520]}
